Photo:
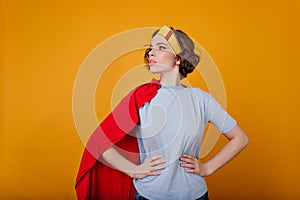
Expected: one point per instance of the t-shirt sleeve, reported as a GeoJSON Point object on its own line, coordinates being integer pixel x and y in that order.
{"type": "Point", "coordinates": [216, 115]}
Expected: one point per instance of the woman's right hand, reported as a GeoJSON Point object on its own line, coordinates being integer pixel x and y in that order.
{"type": "Point", "coordinates": [149, 167]}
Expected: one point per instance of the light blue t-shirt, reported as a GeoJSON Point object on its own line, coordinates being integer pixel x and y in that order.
{"type": "Point", "coordinates": [172, 124]}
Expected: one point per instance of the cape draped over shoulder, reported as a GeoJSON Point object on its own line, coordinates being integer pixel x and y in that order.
{"type": "Point", "coordinates": [96, 179]}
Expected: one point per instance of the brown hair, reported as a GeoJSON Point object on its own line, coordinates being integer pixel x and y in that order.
{"type": "Point", "coordinates": [188, 59]}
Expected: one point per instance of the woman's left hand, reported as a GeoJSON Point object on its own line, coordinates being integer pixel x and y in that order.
{"type": "Point", "coordinates": [193, 165]}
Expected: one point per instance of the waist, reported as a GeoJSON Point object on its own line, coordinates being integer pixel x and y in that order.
{"type": "Point", "coordinates": [171, 180]}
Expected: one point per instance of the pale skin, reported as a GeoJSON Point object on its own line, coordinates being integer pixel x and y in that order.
{"type": "Point", "coordinates": [237, 141]}
{"type": "Point", "coordinates": [162, 60]}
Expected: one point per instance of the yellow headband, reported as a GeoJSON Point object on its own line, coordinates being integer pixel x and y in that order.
{"type": "Point", "coordinates": [167, 33]}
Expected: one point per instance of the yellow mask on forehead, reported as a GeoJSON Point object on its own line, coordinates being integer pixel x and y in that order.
{"type": "Point", "coordinates": [168, 34]}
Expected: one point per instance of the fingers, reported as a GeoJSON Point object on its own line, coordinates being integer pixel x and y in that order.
{"type": "Point", "coordinates": [155, 163]}
{"type": "Point", "coordinates": [158, 167]}
{"type": "Point", "coordinates": [153, 173]}
{"type": "Point", "coordinates": [189, 163]}
{"type": "Point", "coordinates": [158, 162]}
{"type": "Point", "coordinates": [143, 175]}
{"type": "Point", "coordinates": [187, 158]}
{"type": "Point", "coordinates": [186, 165]}
{"type": "Point", "coordinates": [191, 170]}
{"type": "Point", "coordinates": [153, 158]}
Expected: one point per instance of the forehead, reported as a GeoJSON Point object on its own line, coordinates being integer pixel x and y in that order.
{"type": "Point", "coordinates": [158, 39]}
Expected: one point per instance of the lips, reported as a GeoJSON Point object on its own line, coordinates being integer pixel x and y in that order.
{"type": "Point", "coordinates": [152, 62]}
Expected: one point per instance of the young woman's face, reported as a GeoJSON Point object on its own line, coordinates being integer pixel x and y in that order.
{"type": "Point", "coordinates": [161, 57]}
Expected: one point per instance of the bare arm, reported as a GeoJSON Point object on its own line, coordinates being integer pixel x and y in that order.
{"type": "Point", "coordinates": [148, 168]}
{"type": "Point", "coordinates": [237, 141]}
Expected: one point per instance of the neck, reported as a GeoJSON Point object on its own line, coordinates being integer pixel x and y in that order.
{"type": "Point", "coordinates": [170, 79]}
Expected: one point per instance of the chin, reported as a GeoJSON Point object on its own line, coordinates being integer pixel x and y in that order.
{"type": "Point", "coordinates": [158, 69]}
{"type": "Point", "coordinates": [154, 72]}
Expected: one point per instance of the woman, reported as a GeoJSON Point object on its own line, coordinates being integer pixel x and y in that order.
{"type": "Point", "coordinates": [171, 120]}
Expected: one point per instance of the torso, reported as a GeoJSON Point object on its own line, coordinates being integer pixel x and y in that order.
{"type": "Point", "coordinates": [172, 124]}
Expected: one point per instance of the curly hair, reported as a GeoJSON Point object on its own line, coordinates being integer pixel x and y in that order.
{"type": "Point", "coordinates": [188, 58]}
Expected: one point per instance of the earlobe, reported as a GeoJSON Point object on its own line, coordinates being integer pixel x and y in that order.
{"type": "Point", "coordinates": [177, 60]}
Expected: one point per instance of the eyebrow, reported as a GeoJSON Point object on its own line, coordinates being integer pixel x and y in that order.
{"type": "Point", "coordinates": [160, 43]}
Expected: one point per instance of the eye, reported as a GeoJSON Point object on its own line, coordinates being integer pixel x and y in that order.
{"type": "Point", "coordinates": [161, 47]}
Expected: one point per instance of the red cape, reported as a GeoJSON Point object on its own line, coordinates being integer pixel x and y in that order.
{"type": "Point", "coordinates": [95, 179]}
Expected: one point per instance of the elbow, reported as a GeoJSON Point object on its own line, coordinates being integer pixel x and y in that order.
{"type": "Point", "coordinates": [245, 140]}
{"type": "Point", "coordinates": [243, 137]}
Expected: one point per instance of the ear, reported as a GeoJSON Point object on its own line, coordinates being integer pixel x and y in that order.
{"type": "Point", "coordinates": [177, 58]}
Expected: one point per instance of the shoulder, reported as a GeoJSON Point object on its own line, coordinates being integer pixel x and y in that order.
{"type": "Point", "coordinates": [144, 93]}
{"type": "Point", "coordinates": [147, 88]}
{"type": "Point", "coordinates": [201, 93]}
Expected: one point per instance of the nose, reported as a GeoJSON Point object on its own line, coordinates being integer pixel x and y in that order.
{"type": "Point", "coordinates": [151, 52]}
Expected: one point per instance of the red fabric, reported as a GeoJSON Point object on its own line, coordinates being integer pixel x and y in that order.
{"type": "Point", "coordinates": [95, 179]}
{"type": "Point", "coordinates": [169, 35]}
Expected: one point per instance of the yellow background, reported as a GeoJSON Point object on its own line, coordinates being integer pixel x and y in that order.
{"type": "Point", "coordinates": [255, 45]}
